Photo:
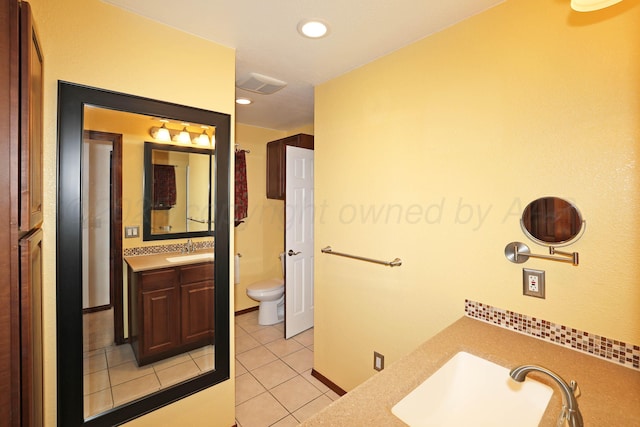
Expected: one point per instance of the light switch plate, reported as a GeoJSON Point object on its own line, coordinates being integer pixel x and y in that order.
{"type": "Point", "coordinates": [533, 283]}
{"type": "Point", "coordinates": [131, 232]}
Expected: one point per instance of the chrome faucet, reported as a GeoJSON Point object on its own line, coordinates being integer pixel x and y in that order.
{"type": "Point", "coordinates": [570, 414]}
{"type": "Point", "coordinates": [188, 247]}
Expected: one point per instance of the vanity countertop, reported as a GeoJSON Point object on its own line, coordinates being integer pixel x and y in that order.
{"type": "Point", "coordinates": [155, 261]}
{"type": "Point", "coordinates": [610, 393]}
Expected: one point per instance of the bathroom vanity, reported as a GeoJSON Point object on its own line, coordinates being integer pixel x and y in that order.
{"type": "Point", "coordinates": [170, 305]}
{"type": "Point", "coordinates": [610, 393]}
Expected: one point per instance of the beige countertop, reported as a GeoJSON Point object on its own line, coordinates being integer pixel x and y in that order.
{"type": "Point", "coordinates": [153, 262]}
{"type": "Point", "coordinates": [610, 393]}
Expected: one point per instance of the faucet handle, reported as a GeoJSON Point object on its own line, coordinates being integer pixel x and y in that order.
{"type": "Point", "coordinates": [575, 388]}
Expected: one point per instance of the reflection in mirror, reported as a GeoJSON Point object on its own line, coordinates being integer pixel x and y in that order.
{"type": "Point", "coordinates": [101, 153]}
{"type": "Point", "coordinates": [177, 192]}
{"type": "Point", "coordinates": [552, 221]}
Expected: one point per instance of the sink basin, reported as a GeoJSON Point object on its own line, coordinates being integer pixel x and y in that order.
{"type": "Point", "coordinates": [469, 390]}
{"type": "Point", "coordinates": [194, 257]}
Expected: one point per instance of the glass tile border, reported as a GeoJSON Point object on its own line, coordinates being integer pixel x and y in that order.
{"type": "Point", "coordinates": [163, 249]}
{"type": "Point", "coordinates": [627, 355]}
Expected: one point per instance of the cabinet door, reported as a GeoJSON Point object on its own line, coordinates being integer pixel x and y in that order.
{"type": "Point", "coordinates": [161, 320]}
{"type": "Point", "coordinates": [275, 170]}
{"type": "Point", "coordinates": [276, 163]}
{"type": "Point", "coordinates": [159, 312]}
{"type": "Point", "coordinates": [197, 312]}
{"type": "Point", "coordinates": [31, 328]}
{"type": "Point", "coordinates": [30, 123]}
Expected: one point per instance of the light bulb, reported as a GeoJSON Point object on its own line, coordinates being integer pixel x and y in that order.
{"type": "Point", "coordinates": [203, 138]}
{"type": "Point", "coordinates": [163, 134]}
{"type": "Point", "coordinates": [184, 136]}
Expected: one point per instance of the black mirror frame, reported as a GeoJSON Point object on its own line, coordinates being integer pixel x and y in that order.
{"type": "Point", "coordinates": [71, 101]}
{"type": "Point", "coordinates": [148, 193]}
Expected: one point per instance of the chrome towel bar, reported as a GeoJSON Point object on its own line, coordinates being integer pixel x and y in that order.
{"type": "Point", "coordinates": [395, 263]}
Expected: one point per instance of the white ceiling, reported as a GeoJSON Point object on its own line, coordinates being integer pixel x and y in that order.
{"type": "Point", "coordinates": [264, 35]}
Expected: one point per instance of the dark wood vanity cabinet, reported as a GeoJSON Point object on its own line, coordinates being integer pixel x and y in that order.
{"type": "Point", "coordinates": [170, 311]}
{"type": "Point", "coordinates": [277, 163]}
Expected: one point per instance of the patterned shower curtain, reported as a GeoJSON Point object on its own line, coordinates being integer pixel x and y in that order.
{"type": "Point", "coordinates": [241, 196]}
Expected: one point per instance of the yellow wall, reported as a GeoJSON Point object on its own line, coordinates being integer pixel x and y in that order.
{"type": "Point", "coordinates": [135, 131]}
{"type": "Point", "coordinates": [452, 136]}
{"type": "Point", "coordinates": [260, 239]}
{"type": "Point", "coordinates": [92, 43]}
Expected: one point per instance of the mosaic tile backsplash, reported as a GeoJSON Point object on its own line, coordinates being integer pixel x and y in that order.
{"type": "Point", "coordinates": [163, 249]}
{"type": "Point", "coordinates": [611, 350]}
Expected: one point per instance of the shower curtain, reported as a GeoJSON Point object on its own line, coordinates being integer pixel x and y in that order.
{"type": "Point", "coordinates": [241, 195]}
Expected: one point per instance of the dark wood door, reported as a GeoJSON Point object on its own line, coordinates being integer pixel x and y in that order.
{"type": "Point", "coordinates": [275, 170]}
{"type": "Point", "coordinates": [161, 320]}
{"type": "Point", "coordinates": [9, 290]}
{"type": "Point", "coordinates": [31, 328]}
{"type": "Point", "coordinates": [30, 123]}
{"type": "Point", "coordinates": [197, 311]}
{"type": "Point", "coordinates": [159, 311]}
{"type": "Point", "coordinates": [21, 212]}
{"type": "Point", "coordinates": [196, 298]}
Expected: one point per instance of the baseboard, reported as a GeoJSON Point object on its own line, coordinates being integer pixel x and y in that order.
{"type": "Point", "coordinates": [326, 381]}
{"type": "Point", "coordinates": [247, 310]}
{"type": "Point", "coordinates": [96, 309]}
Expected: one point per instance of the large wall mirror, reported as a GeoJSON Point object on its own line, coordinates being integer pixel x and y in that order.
{"type": "Point", "coordinates": [101, 177]}
{"type": "Point", "coordinates": [177, 191]}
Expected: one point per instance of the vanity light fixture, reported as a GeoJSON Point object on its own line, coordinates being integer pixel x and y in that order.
{"type": "Point", "coordinates": [313, 28]}
{"type": "Point", "coordinates": [184, 136]}
{"type": "Point", "coordinates": [243, 101]}
{"type": "Point", "coordinates": [591, 5]}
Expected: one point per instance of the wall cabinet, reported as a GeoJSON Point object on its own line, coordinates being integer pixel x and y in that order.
{"type": "Point", "coordinates": [170, 310]}
{"type": "Point", "coordinates": [277, 163]}
{"type": "Point", "coordinates": [21, 361]}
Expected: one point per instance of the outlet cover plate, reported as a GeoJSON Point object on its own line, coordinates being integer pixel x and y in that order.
{"type": "Point", "coordinates": [378, 361]}
{"type": "Point", "coordinates": [533, 283]}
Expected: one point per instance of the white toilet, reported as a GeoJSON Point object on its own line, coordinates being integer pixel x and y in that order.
{"type": "Point", "coordinates": [270, 293]}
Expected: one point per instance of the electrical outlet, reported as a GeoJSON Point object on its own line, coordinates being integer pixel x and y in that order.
{"type": "Point", "coordinates": [533, 283]}
{"type": "Point", "coordinates": [378, 361]}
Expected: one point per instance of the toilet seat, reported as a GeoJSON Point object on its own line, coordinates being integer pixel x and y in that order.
{"type": "Point", "coordinates": [266, 285]}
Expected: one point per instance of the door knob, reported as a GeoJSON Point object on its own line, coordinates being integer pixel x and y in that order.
{"type": "Point", "coordinates": [291, 253]}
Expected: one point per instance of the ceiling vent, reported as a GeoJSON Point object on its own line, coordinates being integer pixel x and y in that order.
{"type": "Point", "coordinates": [259, 83]}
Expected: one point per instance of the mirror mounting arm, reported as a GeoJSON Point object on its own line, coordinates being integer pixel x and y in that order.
{"type": "Point", "coordinates": [574, 258]}
{"type": "Point", "coordinates": [518, 253]}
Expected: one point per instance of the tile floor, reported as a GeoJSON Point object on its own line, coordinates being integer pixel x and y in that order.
{"type": "Point", "coordinates": [112, 376]}
{"type": "Point", "coordinates": [274, 386]}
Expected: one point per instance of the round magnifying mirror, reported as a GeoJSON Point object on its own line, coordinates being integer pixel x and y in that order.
{"type": "Point", "coordinates": [552, 221]}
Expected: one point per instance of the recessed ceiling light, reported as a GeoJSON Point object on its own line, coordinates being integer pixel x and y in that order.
{"type": "Point", "coordinates": [313, 28]}
{"type": "Point", "coordinates": [243, 101]}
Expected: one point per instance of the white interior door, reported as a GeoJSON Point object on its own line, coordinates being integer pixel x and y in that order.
{"type": "Point", "coordinates": [299, 241]}
{"type": "Point", "coordinates": [96, 231]}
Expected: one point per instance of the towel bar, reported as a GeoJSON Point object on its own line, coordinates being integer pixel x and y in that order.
{"type": "Point", "coordinates": [394, 263]}
{"type": "Point", "coordinates": [201, 221]}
